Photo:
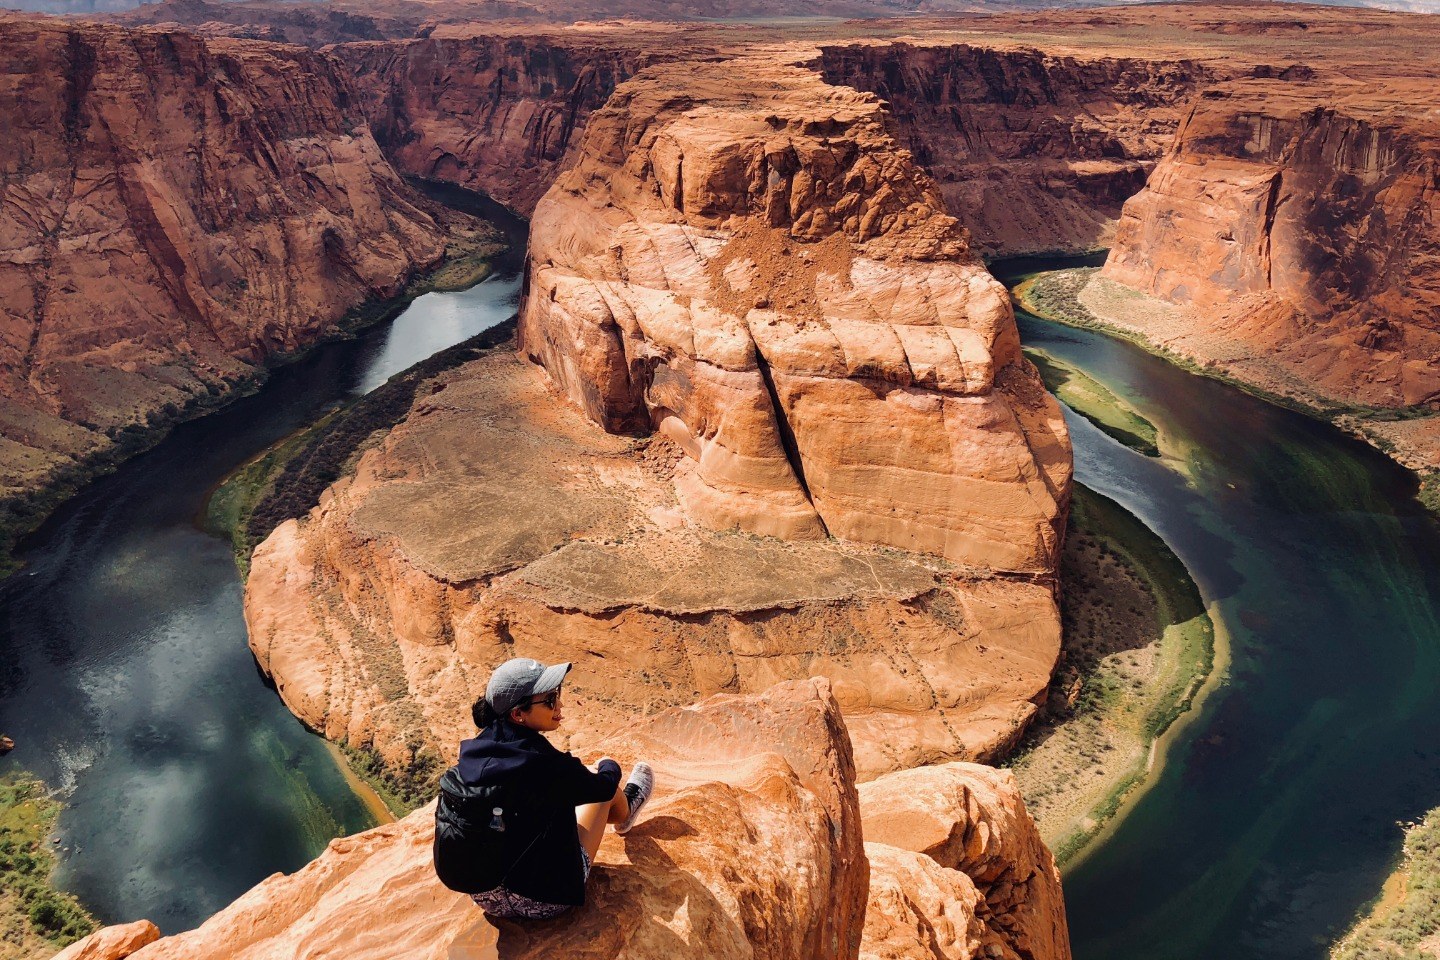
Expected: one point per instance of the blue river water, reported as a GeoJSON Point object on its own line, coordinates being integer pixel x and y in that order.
{"type": "Point", "coordinates": [125, 674]}
{"type": "Point", "coordinates": [1275, 818]}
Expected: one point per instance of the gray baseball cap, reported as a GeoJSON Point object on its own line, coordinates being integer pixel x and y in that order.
{"type": "Point", "coordinates": [516, 681]}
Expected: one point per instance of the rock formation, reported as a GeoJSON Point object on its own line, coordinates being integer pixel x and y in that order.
{"type": "Point", "coordinates": [495, 520]}
{"type": "Point", "coordinates": [743, 260]}
{"type": "Point", "coordinates": [876, 396]}
{"type": "Point", "coordinates": [177, 211]}
{"type": "Point", "coordinates": [494, 110]}
{"type": "Point", "coordinates": [1302, 233]}
{"type": "Point", "coordinates": [1032, 151]}
{"type": "Point", "coordinates": [752, 847]}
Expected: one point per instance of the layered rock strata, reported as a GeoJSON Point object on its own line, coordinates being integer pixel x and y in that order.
{"type": "Point", "coordinates": [743, 260]}
{"type": "Point", "coordinates": [176, 211]}
{"type": "Point", "coordinates": [752, 847]}
{"type": "Point", "coordinates": [1033, 151]}
{"type": "Point", "coordinates": [495, 110]}
{"type": "Point", "coordinates": [496, 520]}
{"type": "Point", "coordinates": [1303, 236]}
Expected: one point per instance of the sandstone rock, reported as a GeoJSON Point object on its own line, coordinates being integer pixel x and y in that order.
{"type": "Point", "coordinates": [972, 819]}
{"type": "Point", "coordinates": [1302, 233]}
{"type": "Point", "coordinates": [112, 943]}
{"type": "Point", "coordinates": [494, 520]}
{"type": "Point", "coordinates": [743, 260]}
{"type": "Point", "coordinates": [751, 848]}
{"type": "Point", "coordinates": [177, 211]}
{"type": "Point", "coordinates": [1033, 151]}
{"type": "Point", "coordinates": [495, 110]}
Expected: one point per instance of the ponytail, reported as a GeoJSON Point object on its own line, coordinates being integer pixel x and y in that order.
{"type": "Point", "coordinates": [483, 714]}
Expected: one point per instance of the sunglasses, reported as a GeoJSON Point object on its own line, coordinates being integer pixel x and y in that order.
{"type": "Point", "coordinates": [550, 700]}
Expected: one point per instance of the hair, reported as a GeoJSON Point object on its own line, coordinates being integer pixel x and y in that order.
{"type": "Point", "coordinates": [484, 715]}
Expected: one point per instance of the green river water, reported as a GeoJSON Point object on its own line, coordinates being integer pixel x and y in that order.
{"type": "Point", "coordinates": [1274, 819]}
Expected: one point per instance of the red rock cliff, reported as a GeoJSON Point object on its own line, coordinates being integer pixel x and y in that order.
{"type": "Point", "coordinates": [1305, 233]}
{"type": "Point", "coordinates": [489, 111]}
{"type": "Point", "coordinates": [177, 210]}
{"type": "Point", "coordinates": [1032, 151]}
{"type": "Point", "coordinates": [756, 845]}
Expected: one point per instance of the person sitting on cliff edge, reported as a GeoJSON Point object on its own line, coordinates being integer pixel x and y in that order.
{"type": "Point", "coordinates": [519, 822]}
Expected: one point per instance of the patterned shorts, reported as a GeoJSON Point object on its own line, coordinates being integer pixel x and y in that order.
{"type": "Point", "coordinates": [507, 905]}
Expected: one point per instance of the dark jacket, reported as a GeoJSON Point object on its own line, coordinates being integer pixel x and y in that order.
{"type": "Point", "coordinates": [544, 786]}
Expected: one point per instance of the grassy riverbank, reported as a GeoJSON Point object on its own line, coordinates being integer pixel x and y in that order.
{"type": "Point", "coordinates": [1408, 435]}
{"type": "Point", "coordinates": [35, 918]}
{"type": "Point", "coordinates": [1097, 403]}
{"type": "Point", "coordinates": [1405, 923]}
{"type": "Point", "coordinates": [1138, 647]}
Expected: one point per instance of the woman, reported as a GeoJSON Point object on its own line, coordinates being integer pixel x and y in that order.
{"type": "Point", "coordinates": [546, 810]}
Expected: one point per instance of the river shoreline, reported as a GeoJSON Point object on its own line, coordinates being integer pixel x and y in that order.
{"type": "Point", "coordinates": [1058, 296]}
{"type": "Point", "coordinates": [466, 262]}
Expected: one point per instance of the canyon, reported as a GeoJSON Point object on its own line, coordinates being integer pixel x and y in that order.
{"type": "Point", "coordinates": [765, 417]}
{"type": "Point", "coordinates": [178, 212]}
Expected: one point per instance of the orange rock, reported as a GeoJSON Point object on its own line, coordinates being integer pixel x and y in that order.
{"type": "Point", "coordinates": [752, 847]}
{"type": "Point", "coordinates": [972, 819]}
{"type": "Point", "coordinates": [178, 211]}
{"type": "Point", "coordinates": [112, 943]}
{"type": "Point", "coordinates": [494, 520]}
{"type": "Point", "coordinates": [744, 260]}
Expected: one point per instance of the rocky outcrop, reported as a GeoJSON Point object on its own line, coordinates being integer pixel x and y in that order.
{"type": "Point", "coordinates": [495, 519]}
{"type": "Point", "coordinates": [176, 212]}
{"type": "Point", "coordinates": [112, 943]}
{"type": "Point", "coordinates": [971, 821]}
{"type": "Point", "coordinates": [743, 260]}
{"type": "Point", "coordinates": [752, 847]}
{"type": "Point", "coordinates": [1303, 234]}
{"type": "Point", "coordinates": [495, 111]}
{"type": "Point", "coordinates": [1032, 151]}
{"type": "Point", "coordinates": [837, 376]}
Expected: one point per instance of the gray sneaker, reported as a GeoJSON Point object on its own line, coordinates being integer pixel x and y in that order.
{"type": "Point", "coordinates": [637, 791]}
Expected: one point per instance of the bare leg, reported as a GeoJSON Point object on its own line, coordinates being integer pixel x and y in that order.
{"type": "Point", "coordinates": [592, 818]}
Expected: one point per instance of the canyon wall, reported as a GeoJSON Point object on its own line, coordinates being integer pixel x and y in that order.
{"type": "Point", "coordinates": [493, 111]}
{"type": "Point", "coordinates": [177, 211]}
{"type": "Point", "coordinates": [1032, 151]}
{"type": "Point", "coordinates": [755, 845]}
{"type": "Point", "coordinates": [1301, 233]}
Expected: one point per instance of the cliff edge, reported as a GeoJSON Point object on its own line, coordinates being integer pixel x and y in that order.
{"type": "Point", "coordinates": [753, 847]}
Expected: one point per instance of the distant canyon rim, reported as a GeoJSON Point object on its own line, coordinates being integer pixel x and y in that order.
{"type": "Point", "coordinates": [756, 336]}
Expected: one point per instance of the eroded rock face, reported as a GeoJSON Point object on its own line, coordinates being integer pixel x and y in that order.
{"type": "Point", "coordinates": [1302, 233]}
{"type": "Point", "coordinates": [743, 260]}
{"type": "Point", "coordinates": [496, 110]}
{"type": "Point", "coordinates": [971, 820]}
{"type": "Point", "coordinates": [496, 520]}
{"type": "Point", "coordinates": [752, 847]}
{"type": "Point", "coordinates": [1033, 151]}
{"type": "Point", "coordinates": [177, 210]}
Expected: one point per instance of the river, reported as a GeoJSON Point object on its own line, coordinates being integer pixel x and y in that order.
{"type": "Point", "coordinates": [127, 681]}
{"type": "Point", "coordinates": [1274, 818]}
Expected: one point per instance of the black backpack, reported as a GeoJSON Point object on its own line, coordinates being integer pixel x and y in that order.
{"type": "Point", "coordinates": [481, 832]}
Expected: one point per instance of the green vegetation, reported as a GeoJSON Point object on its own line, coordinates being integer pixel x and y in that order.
{"type": "Point", "coordinates": [1138, 646]}
{"type": "Point", "coordinates": [1405, 923]}
{"type": "Point", "coordinates": [466, 262]}
{"type": "Point", "coordinates": [1097, 403]}
{"type": "Point", "coordinates": [34, 917]}
{"type": "Point", "coordinates": [403, 789]}
{"type": "Point", "coordinates": [286, 480]}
